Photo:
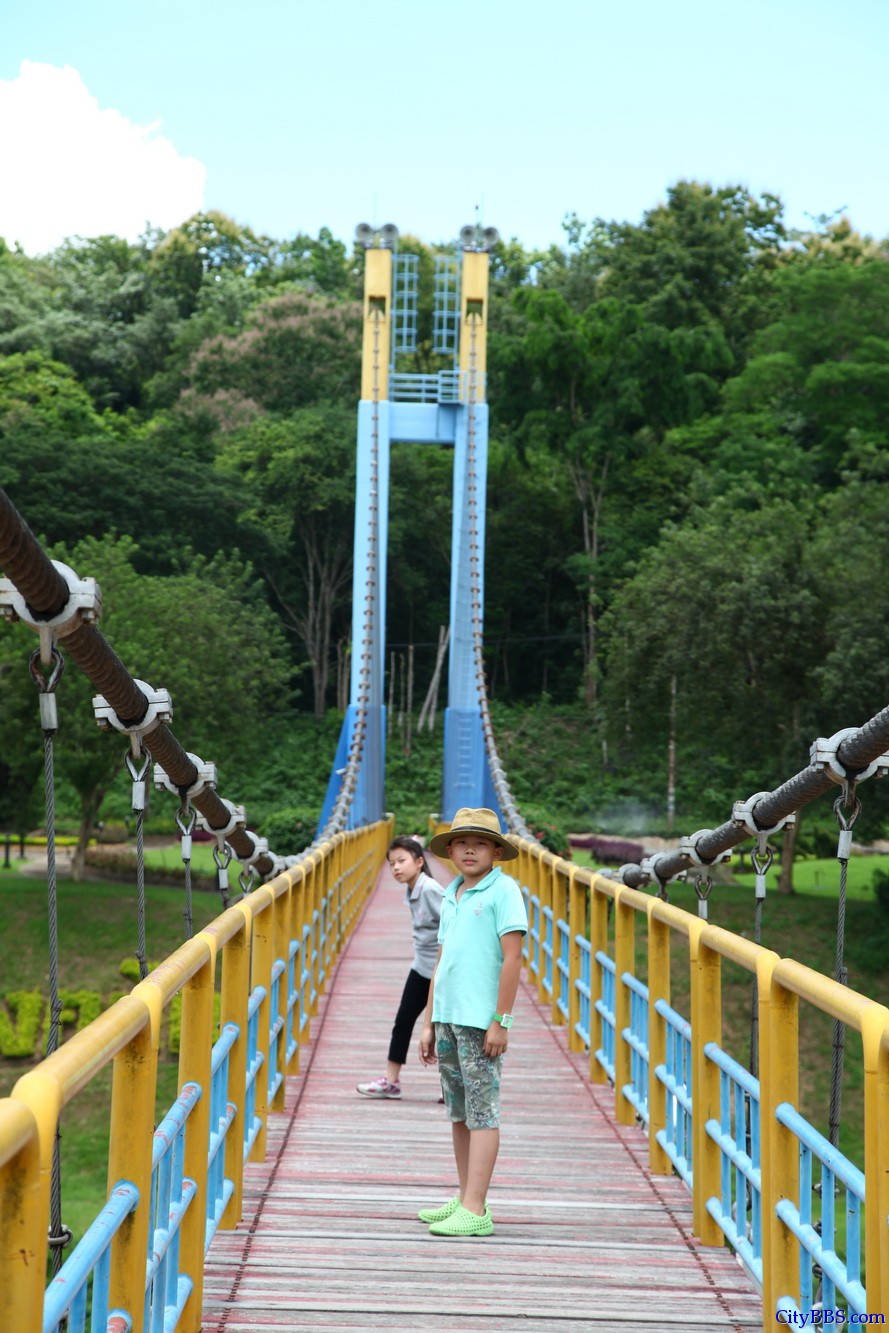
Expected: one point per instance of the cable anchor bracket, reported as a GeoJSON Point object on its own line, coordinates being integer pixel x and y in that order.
{"type": "Point", "coordinates": [84, 604]}
{"type": "Point", "coordinates": [205, 781]}
{"type": "Point", "coordinates": [649, 867]}
{"type": "Point", "coordinates": [823, 756]}
{"type": "Point", "coordinates": [160, 709]}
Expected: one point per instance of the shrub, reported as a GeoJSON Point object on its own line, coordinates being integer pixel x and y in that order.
{"type": "Point", "coordinates": [880, 886]}
{"type": "Point", "coordinates": [291, 830]}
{"type": "Point", "coordinates": [613, 851]}
{"type": "Point", "coordinates": [547, 830]}
{"type": "Point", "coordinates": [111, 832]}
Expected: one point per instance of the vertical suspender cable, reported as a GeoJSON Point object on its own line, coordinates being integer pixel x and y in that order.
{"type": "Point", "coordinates": [59, 1234]}
{"type": "Point", "coordinates": [514, 821]}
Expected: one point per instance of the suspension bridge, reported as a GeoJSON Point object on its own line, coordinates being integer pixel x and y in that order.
{"type": "Point", "coordinates": [648, 1177]}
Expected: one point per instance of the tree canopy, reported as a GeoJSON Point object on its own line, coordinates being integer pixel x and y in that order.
{"type": "Point", "coordinates": [686, 493]}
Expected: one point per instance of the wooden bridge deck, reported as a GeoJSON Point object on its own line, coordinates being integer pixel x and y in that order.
{"type": "Point", "coordinates": [585, 1237]}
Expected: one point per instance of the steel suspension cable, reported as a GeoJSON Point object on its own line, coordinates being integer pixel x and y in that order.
{"type": "Point", "coordinates": [348, 787]}
{"type": "Point", "coordinates": [27, 565]}
{"type": "Point", "coordinates": [505, 798]}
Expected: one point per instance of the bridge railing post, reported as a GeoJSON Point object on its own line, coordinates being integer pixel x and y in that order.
{"type": "Point", "coordinates": [706, 1026]}
{"type": "Point", "coordinates": [624, 961]}
{"type": "Point", "coordinates": [23, 1226]}
{"type": "Point", "coordinates": [195, 1059]}
{"type": "Point", "coordinates": [578, 897]}
{"type": "Point", "coordinates": [658, 989]}
{"type": "Point", "coordinates": [234, 995]}
{"type": "Point", "coordinates": [779, 1082]}
{"type": "Point", "coordinates": [598, 944]}
{"type": "Point", "coordinates": [261, 975]}
{"type": "Point", "coordinates": [560, 883]}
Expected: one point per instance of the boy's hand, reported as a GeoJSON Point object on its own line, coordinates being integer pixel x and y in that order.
{"type": "Point", "coordinates": [496, 1040]}
{"type": "Point", "coordinates": [427, 1045]}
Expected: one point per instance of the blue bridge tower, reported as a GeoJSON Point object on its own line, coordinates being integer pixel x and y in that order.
{"type": "Point", "coordinates": [445, 408]}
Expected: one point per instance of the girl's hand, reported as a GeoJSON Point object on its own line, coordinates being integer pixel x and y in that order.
{"type": "Point", "coordinates": [427, 1045]}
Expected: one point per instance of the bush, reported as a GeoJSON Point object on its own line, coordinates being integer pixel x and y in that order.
{"type": "Point", "coordinates": [547, 830]}
{"type": "Point", "coordinates": [112, 832]}
{"type": "Point", "coordinates": [613, 851]}
{"type": "Point", "coordinates": [880, 885]}
{"type": "Point", "coordinates": [291, 830]}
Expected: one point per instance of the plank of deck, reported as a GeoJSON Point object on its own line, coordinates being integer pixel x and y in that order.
{"type": "Point", "coordinates": [585, 1237]}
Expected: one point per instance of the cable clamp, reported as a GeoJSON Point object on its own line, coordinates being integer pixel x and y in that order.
{"type": "Point", "coordinates": [743, 814]}
{"type": "Point", "coordinates": [823, 757]}
{"type": "Point", "coordinates": [84, 604]}
{"type": "Point", "coordinates": [279, 865]}
{"type": "Point", "coordinates": [260, 848]}
{"type": "Point", "coordinates": [205, 781]}
{"type": "Point", "coordinates": [689, 847]}
{"type": "Point", "coordinates": [649, 866]}
{"type": "Point", "coordinates": [160, 709]}
{"type": "Point", "coordinates": [237, 816]}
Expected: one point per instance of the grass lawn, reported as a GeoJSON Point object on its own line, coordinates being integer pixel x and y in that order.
{"type": "Point", "coordinates": [98, 930]}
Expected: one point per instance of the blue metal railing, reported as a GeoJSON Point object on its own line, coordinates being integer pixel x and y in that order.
{"type": "Point", "coordinates": [820, 1247]}
{"type": "Point", "coordinates": [252, 1122]}
{"type": "Point", "coordinates": [636, 1037]}
{"type": "Point", "coordinates": [222, 1114]}
{"type": "Point", "coordinates": [546, 944]}
{"type": "Point", "coordinates": [172, 1192]}
{"type": "Point", "coordinates": [584, 988]}
{"type": "Point", "coordinates": [84, 1277]}
{"type": "Point", "coordinates": [563, 967]}
{"type": "Point", "coordinates": [738, 1210]}
{"type": "Point", "coordinates": [605, 1008]}
{"type": "Point", "coordinates": [277, 1021]}
{"type": "Point", "coordinates": [675, 1074]}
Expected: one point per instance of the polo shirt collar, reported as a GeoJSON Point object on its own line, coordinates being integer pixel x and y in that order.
{"type": "Point", "coordinates": [483, 884]}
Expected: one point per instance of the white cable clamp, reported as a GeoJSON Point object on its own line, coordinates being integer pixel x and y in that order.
{"type": "Point", "coordinates": [260, 848]}
{"type": "Point", "coordinates": [689, 847]}
{"type": "Point", "coordinates": [823, 756]}
{"type": "Point", "coordinates": [160, 709]}
{"type": "Point", "coordinates": [742, 813]}
{"type": "Point", "coordinates": [206, 779]}
{"type": "Point", "coordinates": [649, 866]}
{"type": "Point", "coordinates": [237, 816]}
{"type": "Point", "coordinates": [279, 865]}
{"type": "Point", "coordinates": [84, 604]}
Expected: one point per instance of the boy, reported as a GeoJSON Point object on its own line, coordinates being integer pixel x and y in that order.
{"type": "Point", "coordinates": [483, 920]}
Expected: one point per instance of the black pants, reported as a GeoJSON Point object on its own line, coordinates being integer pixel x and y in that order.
{"type": "Point", "coordinates": [413, 1002]}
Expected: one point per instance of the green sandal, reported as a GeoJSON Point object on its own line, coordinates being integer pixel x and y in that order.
{"type": "Point", "coordinates": [428, 1215]}
{"type": "Point", "coordinates": [464, 1223]}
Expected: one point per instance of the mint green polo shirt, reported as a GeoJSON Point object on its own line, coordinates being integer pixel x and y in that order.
{"type": "Point", "coordinates": [468, 975]}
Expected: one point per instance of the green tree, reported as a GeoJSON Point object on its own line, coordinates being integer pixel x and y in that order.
{"type": "Point", "coordinates": [724, 606]}
{"type": "Point", "coordinates": [297, 480]}
{"type": "Point", "coordinates": [598, 389]}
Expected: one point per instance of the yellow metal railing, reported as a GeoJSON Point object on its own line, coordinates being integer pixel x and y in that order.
{"type": "Point", "coordinates": [310, 909]}
{"type": "Point", "coordinates": [565, 900]}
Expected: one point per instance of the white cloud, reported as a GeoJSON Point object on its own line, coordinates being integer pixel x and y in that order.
{"type": "Point", "coordinates": [68, 167]}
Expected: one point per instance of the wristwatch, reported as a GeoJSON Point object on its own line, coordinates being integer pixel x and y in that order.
{"type": "Point", "coordinates": [505, 1020]}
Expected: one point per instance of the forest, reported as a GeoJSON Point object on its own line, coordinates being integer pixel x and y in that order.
{"type": "Point", "coordinates": [687, 529]}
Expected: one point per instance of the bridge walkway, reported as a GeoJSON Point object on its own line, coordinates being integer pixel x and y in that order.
{"type": "Point", "coordinates": [585, 1237]}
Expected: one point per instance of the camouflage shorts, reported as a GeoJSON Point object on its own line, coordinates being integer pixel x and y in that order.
{"type": "Point", "coordinates": [470, 1080]}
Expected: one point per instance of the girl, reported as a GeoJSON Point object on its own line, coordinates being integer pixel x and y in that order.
{"type": "Point", "coordinates": [423, 896]}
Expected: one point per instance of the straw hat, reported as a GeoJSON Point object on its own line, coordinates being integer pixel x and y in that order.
{"type": "Point", "coordinates": [484, 822]}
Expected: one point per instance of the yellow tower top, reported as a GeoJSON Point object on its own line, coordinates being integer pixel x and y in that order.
{"type": "Point", "coordinates": [377, 321]}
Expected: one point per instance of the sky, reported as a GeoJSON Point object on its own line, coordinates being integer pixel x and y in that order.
{"type": "Point", "coordinates": [290, 116]}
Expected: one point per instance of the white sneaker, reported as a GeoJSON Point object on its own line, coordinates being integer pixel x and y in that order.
{"type": "Point", "coordinates": [381, 1087]}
